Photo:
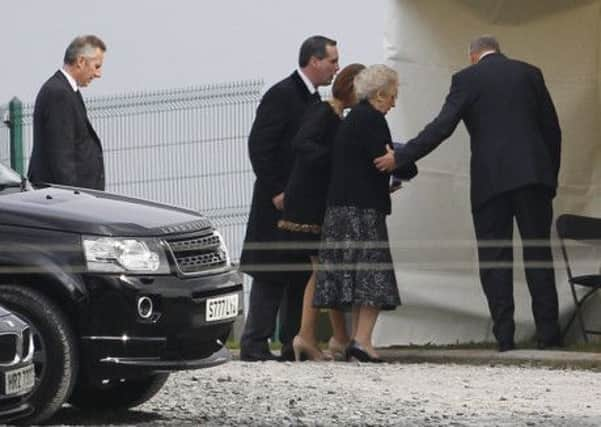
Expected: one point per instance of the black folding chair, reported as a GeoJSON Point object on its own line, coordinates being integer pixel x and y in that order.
{"type": "Point", "coordinates": [586, 230]}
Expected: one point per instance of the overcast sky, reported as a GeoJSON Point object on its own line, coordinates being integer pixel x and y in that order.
{"type": "Point", "coordinates": [158, 44]}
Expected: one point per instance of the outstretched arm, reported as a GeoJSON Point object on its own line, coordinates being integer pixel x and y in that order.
{"type": "Point", "coordinates": [434, 133]}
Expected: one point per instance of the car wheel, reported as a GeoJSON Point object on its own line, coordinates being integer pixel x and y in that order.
{"type": "Point", "coordinates": [55, 355]}
{"type": "Point", "coordinates": [117, 394]}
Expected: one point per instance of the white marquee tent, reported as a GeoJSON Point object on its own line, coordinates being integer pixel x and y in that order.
{"type": "Point", "coordinates": [430, 228]}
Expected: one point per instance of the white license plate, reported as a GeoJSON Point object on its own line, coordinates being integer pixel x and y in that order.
{"type": "Point", "coordinates": [222, 307]}
{"type": "Point", "coordinates": [19, 380]}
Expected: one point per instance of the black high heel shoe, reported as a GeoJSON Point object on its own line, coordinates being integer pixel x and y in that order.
{"type": "Point", "coordinates": [355, 351]}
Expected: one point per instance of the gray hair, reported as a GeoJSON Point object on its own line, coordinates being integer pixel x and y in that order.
{"type": "Point", "coordinates": [83, 46]}
{"type": "Point", "coordinates": [485, 42]}
{"type": "Point", "coordinates": [373, 79]}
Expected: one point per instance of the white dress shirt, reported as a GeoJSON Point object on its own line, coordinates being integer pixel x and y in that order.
{"type": "Point", "coordinates": [71, 80]}
{"type": "Point", "coordinates": [307, 82]}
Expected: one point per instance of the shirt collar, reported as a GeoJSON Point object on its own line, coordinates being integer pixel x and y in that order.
{"type": "Point", "coordinates": [486, 53]}
{"type": "Point", "coordinates": [71, 80]}
{"type": "Point", "coordinates": [307, 82]}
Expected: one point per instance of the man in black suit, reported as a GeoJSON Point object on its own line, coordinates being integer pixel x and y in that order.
{"type": "Point", "coordinates": [515, 145]}
{"type": "Point", "coordinates": [66, 149]}
{"type": "Point", "coordinates": [277, 120]}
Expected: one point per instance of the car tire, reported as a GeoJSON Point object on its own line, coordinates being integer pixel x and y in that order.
{"type": "Point", "coordinates": [117, 395]}
{"type": "Point", "coordinates": [55, 351]}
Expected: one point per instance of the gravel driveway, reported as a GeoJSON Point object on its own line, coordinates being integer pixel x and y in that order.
{"type": "Point", "coordinates": [338, 393]}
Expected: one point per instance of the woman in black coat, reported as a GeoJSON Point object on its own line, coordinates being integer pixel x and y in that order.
{"type": "Point", "coordinates": [305, 201]}
{"type": "Point", "coordinates": [356, 269]}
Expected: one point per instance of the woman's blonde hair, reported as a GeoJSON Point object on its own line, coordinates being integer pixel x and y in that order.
{"type": "Point", "coordinates": [373, 79]}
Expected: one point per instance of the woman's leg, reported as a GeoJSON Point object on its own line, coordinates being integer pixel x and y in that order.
{"type": "Point", "coordinates": [340, 337]}
{"type": "Point", "coordinates": [355, 320]}
{"type": "Point", "coordinates": [365, 327]}
{"type": "Point", "coordinates": [338, 322]}
{"type": "Point", "coordinates": [305, 342]}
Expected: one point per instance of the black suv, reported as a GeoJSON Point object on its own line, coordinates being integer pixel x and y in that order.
{"type": "Point", "coordinates": [118, 292]}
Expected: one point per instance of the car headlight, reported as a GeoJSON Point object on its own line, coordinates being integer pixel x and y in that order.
{"type": "Point", "coordinates": [223, 248]}
{"type": "Point", "coordinates": [119, 255]}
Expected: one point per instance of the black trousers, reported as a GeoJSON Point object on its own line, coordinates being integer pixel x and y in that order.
{"type": "Point", "coordinates": [532, 208]}
{"type": "Point", "coordinates": [266, 300]}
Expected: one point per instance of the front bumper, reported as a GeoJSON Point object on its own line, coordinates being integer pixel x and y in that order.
{"type": "Point", "coordinates": [117, 342]}
{"type": "Point", "coordinates": [12, 410]}
{"type": "Point", "coordinates": [218, 358]}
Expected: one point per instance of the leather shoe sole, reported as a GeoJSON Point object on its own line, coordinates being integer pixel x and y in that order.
{"type": "Point", "coordinates": [506, 347]}
{"type": "Point", "coordinates": [258, 357]}
{"type": "Point", "coordinates": [549, 345]}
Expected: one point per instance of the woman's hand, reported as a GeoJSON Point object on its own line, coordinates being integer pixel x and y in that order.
{"type": "Point", "coordinates": [278, 201]}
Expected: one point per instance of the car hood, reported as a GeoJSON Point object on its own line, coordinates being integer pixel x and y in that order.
{"type": "Point", "coordinates": [95, 212]}
{"type": "Point", "coordinates": [4, 312]}
{"type": "Point", "coordinates": [9, 322]}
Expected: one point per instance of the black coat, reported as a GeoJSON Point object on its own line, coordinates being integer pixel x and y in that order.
{"type": "Point", "coordinates": [277, 120]}
{"type": "Point", "coordinates": [307, 188]}
{"type": "Point", "coordinates": [514, 130]}
{"type": "Point", "coordinates": [362, 136]}
{"type": "Point", "coordinates": [66, 149]}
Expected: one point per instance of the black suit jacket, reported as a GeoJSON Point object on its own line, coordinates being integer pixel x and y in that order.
{"type": "Point", "coordinates": [66, 149]}
{"type": "Point", "coordinates": [514, 130]}
{"type": "Point", "coordinates": [278, 118]}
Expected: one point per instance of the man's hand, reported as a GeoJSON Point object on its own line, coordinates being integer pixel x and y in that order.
{"type": "Point", "coordinates": [386, 162]}
{"type": "Point", "coordinates": [278, 201]}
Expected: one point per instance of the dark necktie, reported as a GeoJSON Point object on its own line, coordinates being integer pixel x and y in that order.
{"type": "Point", "coordinates": [315, 97]}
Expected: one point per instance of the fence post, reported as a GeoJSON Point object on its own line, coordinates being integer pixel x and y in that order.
{"type": "Point", "coordinates": [15, 117]}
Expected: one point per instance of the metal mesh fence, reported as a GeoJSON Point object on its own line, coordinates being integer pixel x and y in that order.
{"type": "Point", "coordinates": [184, 147]}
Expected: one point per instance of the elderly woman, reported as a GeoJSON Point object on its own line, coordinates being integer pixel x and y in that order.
{"type": "Point", "coordinates": [305, 202]}
{"type": "Point", "coordinates": [356, 264]}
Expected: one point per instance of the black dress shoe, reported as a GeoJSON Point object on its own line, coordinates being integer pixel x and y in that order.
{"type": "Point", "coordinates": [355, 351]}
{"type": "Point", "coordinates": [506, 346]}
{"type": "Point", "coordinates": [551, 344]}
{"type": "Point", "coordinates": [257, 356]}
{"type": "Point", "coordinates": [287, 353]}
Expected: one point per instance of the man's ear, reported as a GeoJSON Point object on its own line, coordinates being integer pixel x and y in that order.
{"type": "Point", "coordinates": [79, 62]}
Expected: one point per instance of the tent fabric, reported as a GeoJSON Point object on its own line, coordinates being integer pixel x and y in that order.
{"type": "Point", "coordinates": [431, 229]}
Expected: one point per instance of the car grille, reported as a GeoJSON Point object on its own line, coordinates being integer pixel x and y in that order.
{"type": "Point", "coordinates": [187, 227]}
{"type": "Point", "coordinates": [8, 347]}
{"type": "Point", "coordinates": [14, 347]}
{"type": "Point", "coordinates": [199, 253]}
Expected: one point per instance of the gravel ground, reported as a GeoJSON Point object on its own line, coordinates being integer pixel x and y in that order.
{"type": "Point", "coordinates": [338, 393]}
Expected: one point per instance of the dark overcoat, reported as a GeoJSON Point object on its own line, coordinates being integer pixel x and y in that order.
{"type": "Point", "coordinates": [277, 120]}
{"type": "Point", "coordinates": [66, 149]}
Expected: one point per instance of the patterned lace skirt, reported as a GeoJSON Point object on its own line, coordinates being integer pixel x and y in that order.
{"type": "Point", "coordinates": [355, 261]}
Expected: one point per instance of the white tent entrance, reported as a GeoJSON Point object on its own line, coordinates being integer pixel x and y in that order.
{"type": "Point", "coordinates": [431, 228]}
